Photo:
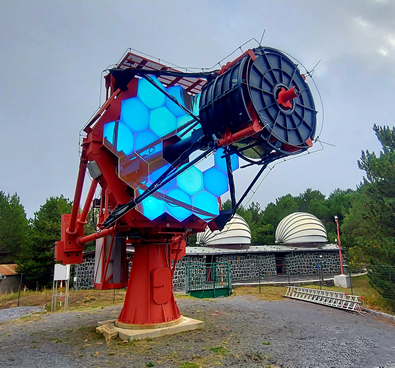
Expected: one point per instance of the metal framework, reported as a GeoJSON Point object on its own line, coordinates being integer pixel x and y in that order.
{"type": "Point", "coordinates": [258, 104]}
{"type": "Point", "coordinates": [329, 298]}
{"type": "Point", "coordinates": [208, 280]}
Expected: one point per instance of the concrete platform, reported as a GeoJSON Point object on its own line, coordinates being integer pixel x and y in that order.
{"type": "Point", "coordinates": [343, 281]}
{"type": "Point", "coordinates": [110, 331]}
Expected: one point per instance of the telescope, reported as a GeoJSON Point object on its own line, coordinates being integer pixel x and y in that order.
{"type": "Point", "coordinates": [143, 148]}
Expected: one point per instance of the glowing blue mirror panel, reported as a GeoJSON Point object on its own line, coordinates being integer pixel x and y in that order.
{"type": "Point", "coordinates": [149, 95]}
{"type": "Point", "coordinates": [125, 139]}
{"type": "Point", "coordinates": [191, 180]}
{"type": "Point", "coordinates": [137, 140]}
{"type": "Point", "coordinates": [135, 115]}
{"type": "Point", "coordinates": [162, 121]}
{"type": "Point", "coordinates": [178, 93]}
{"type": "Point", "coordinates": [178, 207]}
{"type": "Point", "coordinates": [215, 181]}
{"type": "Point", "coordinates": [109, 132]}
{"type": "Point", "coordinates": [220, 161]}
{"type": "Point", "coordinates": [207, 204]}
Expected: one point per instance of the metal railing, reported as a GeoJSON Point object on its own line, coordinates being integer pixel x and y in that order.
{"type": "Point", "coordinates": [208, 279]}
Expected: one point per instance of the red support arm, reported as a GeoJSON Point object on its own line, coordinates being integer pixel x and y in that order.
{"type": "Point", "coordinates": [111, 231]}
{"type": "Point", "coordinates": [77, 194]}
{"type": "Point", "coordinates": [82, 219]}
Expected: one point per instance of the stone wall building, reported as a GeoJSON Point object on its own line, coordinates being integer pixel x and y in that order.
{"type": "Point", "coordinates": [301, 249]}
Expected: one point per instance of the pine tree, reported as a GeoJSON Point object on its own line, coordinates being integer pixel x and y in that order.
{"type": "Point", "coordinates": [370, 225]}
{"type": "Point", "coordinates": [371, 221]}
{"type": "Point", "coordinates": [36, 260]}
{"type": "Point", "coordinates": [14, 227]}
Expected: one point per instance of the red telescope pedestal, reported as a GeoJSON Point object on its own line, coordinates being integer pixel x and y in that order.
{"type": "Point", "coordinates": [149, 297]}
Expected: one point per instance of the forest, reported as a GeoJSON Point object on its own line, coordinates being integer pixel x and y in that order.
{"type": "Point", "coordinates": [366, 216]}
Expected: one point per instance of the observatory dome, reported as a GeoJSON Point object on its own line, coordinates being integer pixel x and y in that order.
{"type": "Point", "coordinates": [235, 232]}
{"type": "Point", "coordinates": [301, 228]}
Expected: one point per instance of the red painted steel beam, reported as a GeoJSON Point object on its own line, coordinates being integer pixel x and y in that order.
{"type": "Point", "coordinates": [77, 195]}
{"type": "Point", "coordinates": [82, 220]}
{"type": "Point", "coordinates": [102, 234]}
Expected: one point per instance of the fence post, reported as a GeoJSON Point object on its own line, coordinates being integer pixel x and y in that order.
{"type": "Point", "coordinates": [391, 297]}
{"type": "Point", "coordinates": [213, 266]}
{"type": "Point", "coordinates": [19, 291]}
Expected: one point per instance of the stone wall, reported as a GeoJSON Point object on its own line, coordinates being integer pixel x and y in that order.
{"type": "Point", "coordinates": [307, 263]}
{"type": "Point", "coordinates": [84, 273]}
{"type": "Point", "coordinates": [247, 266]}
{"type": "Point", "coordinates": [179, 273]}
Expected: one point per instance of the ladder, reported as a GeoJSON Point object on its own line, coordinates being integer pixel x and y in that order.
{"type": "Point", "coordinates": [329, 298]}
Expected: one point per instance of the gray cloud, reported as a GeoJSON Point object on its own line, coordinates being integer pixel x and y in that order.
{"type": "Point", "coordinates": [53, 54]}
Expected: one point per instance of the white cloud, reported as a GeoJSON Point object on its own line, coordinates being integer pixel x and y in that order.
{"type": "Point", "coordinates": [391, 40]}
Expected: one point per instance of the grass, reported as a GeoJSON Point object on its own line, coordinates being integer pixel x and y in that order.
{"type": "Point", "coordinates": [83, 300]}
{"type": "Point", "coordinates": [220, 350]}
{"type": "Point", "coordinates": [361, 287]}
{"type": "Point", "coordinates": [270, 293]}
{"type": "Point", "coordinates": [79, 299]}
{"type": "Point", "coordinates": [189, 365]}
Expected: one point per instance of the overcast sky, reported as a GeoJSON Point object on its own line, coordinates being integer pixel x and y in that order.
{"type": "Point", "coordinates": [52, 54]}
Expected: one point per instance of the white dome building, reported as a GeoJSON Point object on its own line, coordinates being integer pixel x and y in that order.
{"type": "Point", "coordinates": [235, 233]}
{"type": "Point", "coordinates": [302, 229]}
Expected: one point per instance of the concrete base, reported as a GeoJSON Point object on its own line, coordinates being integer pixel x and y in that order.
{"type": "Point", "coordinates": [343, 281]}
{"type": "Point", "coordinates": [110, 331]}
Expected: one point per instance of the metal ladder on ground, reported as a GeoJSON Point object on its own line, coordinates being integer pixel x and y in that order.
{"type": "Point", "coordinates": [329, 298]}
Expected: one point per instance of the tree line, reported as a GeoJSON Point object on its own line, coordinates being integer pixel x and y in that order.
{"type": "Point", "coordinates": [366, 216]}
{"type": "Point", "coordinates": [263, 222]}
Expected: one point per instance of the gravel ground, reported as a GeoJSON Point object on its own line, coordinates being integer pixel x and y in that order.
{"type": "Point", "coordinates": [240, 332]}
{"type": "Point", "coordinates": [18, 312]}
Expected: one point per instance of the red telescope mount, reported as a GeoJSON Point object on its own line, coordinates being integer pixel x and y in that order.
{"type": "Point", "coordinates": [258, 108]}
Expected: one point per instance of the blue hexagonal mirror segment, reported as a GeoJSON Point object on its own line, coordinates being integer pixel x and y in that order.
{"type": "Point", "coordinates": [186, 120]}
{"type": "Point", "coordinates": [151, 96]}
{"type": "Point", "coordinates": [183, 120]}
{"type": "Point", "coordinates": [195, 104]}
{"type": "Point", "coordinates": [191, 180]}
{"type": "Point", "coordinates": [221, 161]}
{"type": "Point", "coordinates": [178, 93]}
{"type": "Point", "coordinates": [144, 139]}
{"type": "Point", "coordinates": [125, 139]}
{"type": "Point", "coordinates": [157, 173]}
{"type": "Point", "coordinates": [215, 181]}
{"type": "Point", "coordinates": [205, 205]}
{"type": "Point", "coordinates": [151, 207]}
{"type": "Point", "coordinates": [134, 114]}
{"type": "Point", "coordinates": [162, 121]}
{"type": "Point", "coordinates": [178, 204]}
{"type": "Point", "coordinates": [152, 153]}
{"type": "Point", "coordinates": [108, 132]}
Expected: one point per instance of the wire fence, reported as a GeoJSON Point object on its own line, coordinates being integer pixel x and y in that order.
{"type": "Point", "coordinates": [23, 285]}
{"type": "Point", "coordinates": [18, 292]}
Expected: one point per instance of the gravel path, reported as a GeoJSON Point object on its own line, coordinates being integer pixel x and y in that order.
{"type": "Point", "coordinates": [240, 332]}
{"type": "Point", "coordinates": [10, 314]}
